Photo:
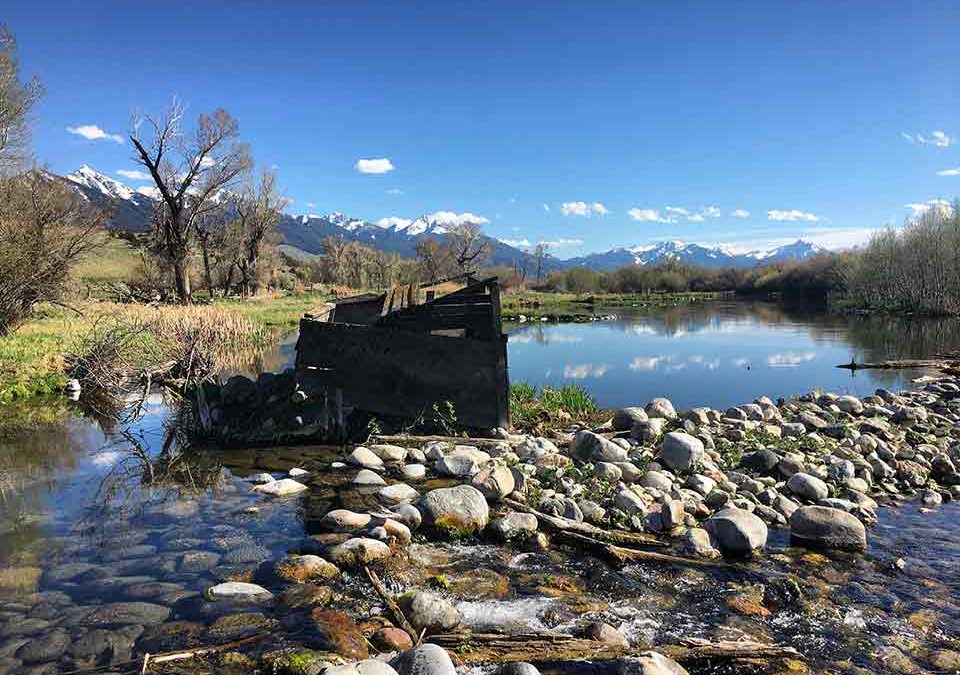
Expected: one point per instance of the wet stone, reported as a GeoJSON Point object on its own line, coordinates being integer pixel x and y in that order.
{"type": "Point", "coordinates": [239, 626]}
{"type": "Point", "coordinates": [44, 648]}
{"type": "Point", "coordinates": [172, 636]}
{"type": "Point", "coordinates": [127, 613]}
{"type": "Point", "coordinates": [198, 561]}
{"type": "Point", "coordinates": [101, 647]}
{"type": "Point", "coordinates": [335, 631]}
{"type": "Point", "coordinates": [248, 553]}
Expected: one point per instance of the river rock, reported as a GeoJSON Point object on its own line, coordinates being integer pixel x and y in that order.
{"type": "Point", "coordinates": [414, 471]}
{"type": "Point", "coordinates": [696, 541]}
{"type": "Point", "coordinates": [398, 493]}
{"type": "Point", "coordinates": [513, 524]}
{"type": "Point", "coordinates": [260, 478]}
{"type": "Point", "coordinates": [822, 526]}
{"type": "Point", "coordinates": [303, 568]}
{"type": "Point", "coordinates": [808, 486]}
{"type": "Point", "coordinates": [427, 659]}
{"type": "Point", "coordinates": [48, 648]}
{"type": "Point", "coordinates": [607, 471]}
{"type": "Point", "coordinates": [126, 614]}
{"type": "Point", "coordinates": [588, 445]}
{"type": "Point", "coordinates": [429, 611]}
{"type": "Point", "coordinates": [463, 462]}
{"type": "Point", "coordinates": [334, 631]}
{"type": "Point", "coordinates": [495, 481]}
{"type": "Point", "coordinates": [649, 663]}
{"type": "Point", "coordinates": [657, 480]}
{"type": "Point", "coordinates": [849, 404]}
{"type": "Point", "coordinates": [368, 477]}
{"type": "Point", "coordinates": [737, 531]}
{"type": "Point", "coordinates": [238, 590]}
{"type": "Point", "coordinates": [681, 451]}
{"type": "Point", "coordinates": [366, 458]}
{"type": "Point", "coordinates": [359, 551]}
{"type": "Point", "coordinates": [409, 515]}
{"type": "Point", "coordinates": [459, 510]}
{"type": "Point", "coordinates": [281, 488]}
{"type": "Point", "coordinates": [344, 520]}
{"type": "Point", "coordinates": [391, 639]}
{"type": "Point", "coordinates": [100, 647]}
{"type": "Point", "coordinates": [391, 454]}
{"type": "Point", "coordinates": [604, 632]}
{"type": "Point", "coordinates": [518, 668]}
{"type": "Point", "coordinates": [625, 418]}
{"type": "Point", "coordinates": [671, 513]}
{"type": "Point", "coordinates": [661, 408]}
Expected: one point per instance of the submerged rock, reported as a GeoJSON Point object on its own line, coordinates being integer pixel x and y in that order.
{"type": "Point", "coordinates": [238, 590]}
{"type": "Point", "coordinates": [336, 632]}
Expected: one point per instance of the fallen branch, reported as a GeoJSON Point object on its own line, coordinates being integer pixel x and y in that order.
{"type": "Point", "coordinates": [624, 556]}
{"type": "Point", "coordinates": [904, 364]}
{"type": "Point", "coordinates": [407, 439]}
{"type": "Point", "coordinates": [556, 647]}
{"type": "Point", "coordinates": [393, 606]}
{"type": "Point", "coordinates": [561, 524]}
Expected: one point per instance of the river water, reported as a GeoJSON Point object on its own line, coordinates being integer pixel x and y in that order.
{"type": "Point", "coordinates": [93, 513]}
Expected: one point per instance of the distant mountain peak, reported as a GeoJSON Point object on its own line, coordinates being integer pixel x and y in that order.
{"type": "Point", "coordinates": [109, 187]}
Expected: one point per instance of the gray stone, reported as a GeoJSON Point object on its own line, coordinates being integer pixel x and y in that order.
{"type": "Point", "coordinates": [359, 551]}
{"type": "Point", "coordinates": [808, 486]}
{"type": "Point", "coordinates": [427, 659]}
{"type": "Point", "coordinates": [661, 408]}
{"type": "Point", "coordinates": [681, 451]}
{"type": "Point", "coordinates": [390, 454]}
{"type": "Point", "coordinates": [649, 663]}
{"type": "Point", "coordinates": [625, 418]}
{"type": "Point", "coordinates": [414, 471]}
{"type": "Point", "coordinates": [429, 611]}
{"type": "Point", "coordinates": [48, 648]}
{"type": "Point", "coordinates": [825, 527]}
{"type": "Point", "coordinates": [238, 590]}
{"type": "Point", "coordinates": [281, 488]}
{"type": "Point", "coordinates": [460, 510]}
{"type": "Point", "coordinates": [366, 458]}
{"type": "Point", "coordinates": [463, 462]}
{"type": "Point", "coordinates": [513, 524]}
{"type": "Point", "coordinates": [344, 520]}
{"type": "Point", "coordinates": [495, 481]}
{"type": "Point", "coordinates": [737, 531]}
{"type": "Point", "coordinates": [518, 668]}
{"type": "Point", "coordinates": [126, 614]}
{"type": "Point", "coordinates": [398, 493]}
{"type": "Point", "coordinates": [368, 477]}
{"type": "Point", "coordinates": [607, 471]}
{"type": "Point", "coordinates": [657, 480]}
{"type": "Point", "coordinates": [587, 445]}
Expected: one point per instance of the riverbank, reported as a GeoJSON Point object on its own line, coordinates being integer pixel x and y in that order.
{"type": "Point", "coordinates": [32, 357]}
{"type": "Point", "coordinates": [574, 307]}
{"type": "Point", "coordinates": [758, 528]}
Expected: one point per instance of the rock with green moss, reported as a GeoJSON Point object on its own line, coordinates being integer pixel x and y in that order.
{"type": "Point", "coordinates": [459, 511]}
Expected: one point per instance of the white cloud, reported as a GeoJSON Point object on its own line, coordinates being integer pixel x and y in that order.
{"type": "Point", "coordinates": [584, 370]}
{"type": "Point", "coordinates": [696, 218]}
{"type": "Point", "coordinates": [649, 216]}
{"type": "Point", "coordinates": [677, 210]}
{"type": "Point", "coordinates": [740, 213]}
{"type": "Point", "coordinates": [923, 207]}
{"type": "Point", "coordinates": [311, 204]}
{"type": "Point", "coordinates": [789, 359]}
{"type": "Point", "coordinates": [376, 165]}
{"type": "Point", "coordinates": [557, 243]}
{"type": "Point", "coordinates": [792, 215]}
{"type": "Point", "coordinates": [134, 175]}
{"type": "Point", "coordinates": [452, 218]}
{"type": "Point", "coordinates": [94, 133]}
{"type": "Point", "coordinates": [583, 209]}
{"type": "Point", "coordinates": [649, 362]}
{"type": "Point", "coordinates": [395, 191]}
{"type": "Point", "coordinates": [149, 191]}
{"type": "Point", "coordinates": [936, 138]}
{"type": "Point", "coordinates": [394, 221]}
{"type": "Point", "coordinates": [546, 207]}
{"type": "Point", "coordinates": [710, 211]}
{"type": "Point", "coordinates": [949, 172]}
{"type": "Point", "coordinates": [517, 243]}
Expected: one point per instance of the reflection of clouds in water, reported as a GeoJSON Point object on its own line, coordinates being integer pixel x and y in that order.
{"type": "Point", "coordinates": [584, 370]}
{"type": "Point", "coordinates": [789, 359]}
{"type": "Point", "coordinates": [649, 362]}
{"type": "Point", "coordinates": [544, 339]}
{"type": "Point", "coordinates": [106, 458]}
{"type": "Point", "coordinates": [676, 366]}
{"type": "Point", "coordinates": [712, 365]}
{"type": "Point", "coordinates": [741, 362]}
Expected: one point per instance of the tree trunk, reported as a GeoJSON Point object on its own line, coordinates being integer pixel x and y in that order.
{"type": "Point", "coordinates": [208, 277]}
{"type": "Point", "coordinates": [181, 277]}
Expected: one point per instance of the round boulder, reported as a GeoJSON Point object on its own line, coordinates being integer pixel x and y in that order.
{"type": "Point", "coordinates": [459, 510]}
{"type": "Point", "coordinates": [826, 527]}
{"type": "Point", "coordinates": [737, 531]}
{"type": "Point", "coordinates": [808, 486]}
{"type": "Point", "coordinates": [681, 451]}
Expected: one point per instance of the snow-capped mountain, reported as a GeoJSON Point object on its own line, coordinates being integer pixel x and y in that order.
{"type": "Point", "coordinates": [132, 210]}
{"type": "Point", "coordinates": [694, 254]}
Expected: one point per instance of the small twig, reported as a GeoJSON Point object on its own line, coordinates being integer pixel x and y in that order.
{"type": "Point", "coordinates": [392, 605]}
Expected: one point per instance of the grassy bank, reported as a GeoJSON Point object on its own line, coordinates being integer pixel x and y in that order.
{"type": "Point", "coordinates": [537, 304]}
{"type": "Point", "coordinates": [32, 358]}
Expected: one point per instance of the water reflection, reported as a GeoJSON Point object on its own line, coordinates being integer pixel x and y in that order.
{"type": "Point", "coordinates": [721, 353]}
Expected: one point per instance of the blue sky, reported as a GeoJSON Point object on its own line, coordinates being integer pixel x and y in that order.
{"type": "Point", "coordinates": [796, 113]}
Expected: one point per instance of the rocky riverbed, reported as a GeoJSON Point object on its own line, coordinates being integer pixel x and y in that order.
{"type": "Point", "coordinates": [609, 550]}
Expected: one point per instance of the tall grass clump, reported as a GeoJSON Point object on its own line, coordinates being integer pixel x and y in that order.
{"type": "Point", "coordinates": [531, 406]}
{"type": "Point", "coordinates": [138, 346]}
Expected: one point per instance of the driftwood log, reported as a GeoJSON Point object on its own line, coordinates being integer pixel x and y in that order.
{"type": "Point", "coordinates": [407, 439]}
{"type": "Point", "coordinates": [947, 366]}
{"type": "Point", "coordinates": [555, 647]}
{"type": "Point", "coordinates": [394, 608]}
{"type": "Point", "coordinates": [561, 524]}
{"type": "Point", "coordinates": [620, 555]}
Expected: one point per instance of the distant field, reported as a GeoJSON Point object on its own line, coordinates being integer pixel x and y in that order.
{"type": "Point", "coordinates": [116, 261]}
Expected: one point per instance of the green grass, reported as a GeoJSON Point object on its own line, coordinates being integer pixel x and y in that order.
{"type": "Point", "coordinates": [114, 262]}
{"type": "Point", "coordinates": [535, 304]}
{"type": "Point", "coordinates": [530, 405]}
{"type": "Point", "coordinates": [32, 357]}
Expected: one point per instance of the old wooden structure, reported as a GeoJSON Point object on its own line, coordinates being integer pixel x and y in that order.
{"type": "Point", "coordinates": [410, 351]}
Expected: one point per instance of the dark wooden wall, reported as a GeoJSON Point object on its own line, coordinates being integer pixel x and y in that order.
{"type": "Point", "coordinates": [403, 373]}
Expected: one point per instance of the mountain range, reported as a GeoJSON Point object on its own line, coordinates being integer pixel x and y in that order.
{"type": "Point", "coordinates": [132, 210]}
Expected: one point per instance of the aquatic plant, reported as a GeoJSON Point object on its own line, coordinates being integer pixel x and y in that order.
{"type": "Point", "coordinates": [531, 405]}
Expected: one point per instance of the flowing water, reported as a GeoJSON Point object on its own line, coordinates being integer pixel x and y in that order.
{"type": "Point", "coordinates": [94, 513]}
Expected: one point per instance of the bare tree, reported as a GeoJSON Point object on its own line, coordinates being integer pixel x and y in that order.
{"type": "Point", "coordinates": [259, 209]}
{"type": "Point", "coordinates": [191, 172]}
{"type": "Point", "coordinates": [467, 245]}
{"type": "Point", "coordinates": [17, 99]}
{"type": "Point", "coordinates": [435, 260]}
{"type": "Point", "coordinates": [539, 254]}
{"type": "Point", "coordinates": [45, 230]}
